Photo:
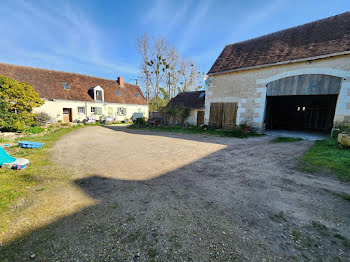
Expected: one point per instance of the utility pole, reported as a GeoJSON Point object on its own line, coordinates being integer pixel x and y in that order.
{"type": "Point", "coordinates": [169, 86]}
{"type": "Point", "coordinates": [135, 80]}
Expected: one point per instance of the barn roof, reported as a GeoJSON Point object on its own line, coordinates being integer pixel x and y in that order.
{"type": "Point", "coordinates": [51, 84]}
{"type": "Point", "coordinates": [326, 37]}
{"type": "Point", "coordinates": [192, 100]}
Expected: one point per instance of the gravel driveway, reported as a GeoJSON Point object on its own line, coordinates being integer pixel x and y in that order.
{"type": "Point", "coordinates": [182, 197]}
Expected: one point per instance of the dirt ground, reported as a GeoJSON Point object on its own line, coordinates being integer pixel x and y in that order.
{"type": "Point", "coordinates": [157, 196]}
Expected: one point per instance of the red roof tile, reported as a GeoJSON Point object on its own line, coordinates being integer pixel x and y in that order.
{"type": "Point", "coordinates": [323, 37]}
{"type": "Point", "coordinates": [192, 100]}
{"type": "Point", "coordinates": [48, 84]}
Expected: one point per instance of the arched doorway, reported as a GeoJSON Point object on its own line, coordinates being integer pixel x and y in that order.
{"type": "Point", "coordinates": [302, 102]}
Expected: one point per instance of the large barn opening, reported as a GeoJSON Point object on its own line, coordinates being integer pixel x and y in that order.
{"type": "Point", "coordinates": [312, 112]}
{"type": "Point", "coordinates": [302, 102]}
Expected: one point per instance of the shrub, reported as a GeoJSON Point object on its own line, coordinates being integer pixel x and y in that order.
{"type": "Point", "coordinates": [16, 103]}
{"type": "Point", "coordinates": [42, 119]}
{"type": "Point", "coordinates": [176, 114]}
{"type": "Point", "coordinates": [35, 130]}
{"type": "Point", "coordinates": [140, 121]}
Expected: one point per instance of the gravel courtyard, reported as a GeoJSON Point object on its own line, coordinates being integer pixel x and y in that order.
{"type": "Point", "coordinates": [185, 197]}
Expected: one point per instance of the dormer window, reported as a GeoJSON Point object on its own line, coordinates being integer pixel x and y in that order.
{"type": "Point", "coordinates": [97, 94]}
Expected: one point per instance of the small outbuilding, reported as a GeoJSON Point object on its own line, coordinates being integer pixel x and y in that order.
{"type": "Point", "coordinates": [195, 102]}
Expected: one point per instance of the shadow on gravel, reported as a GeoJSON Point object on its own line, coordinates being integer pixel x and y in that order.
{"type": "Point", "coordinates": [199, 137]}
{"type": "Point", "coordinates": [227, 206]}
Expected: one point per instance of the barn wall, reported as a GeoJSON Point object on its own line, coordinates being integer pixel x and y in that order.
{"type": "Point", "coordinates": [248, 87]}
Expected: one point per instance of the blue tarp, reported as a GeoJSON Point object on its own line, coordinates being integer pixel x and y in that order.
{"type": "Point", "coordinates": [5, 157]}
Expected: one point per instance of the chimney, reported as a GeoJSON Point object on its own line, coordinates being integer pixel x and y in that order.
{"type": "Point", "coordinates": [120, 81]}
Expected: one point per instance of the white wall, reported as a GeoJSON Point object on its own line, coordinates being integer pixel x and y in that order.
{"type": "Point", "coordinates": [55, 109]}
{"type": "Point", "coordinates": [192, 118]}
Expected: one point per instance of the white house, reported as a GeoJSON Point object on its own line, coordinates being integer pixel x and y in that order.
{"type": "Point", "coordinates": [71, 97]}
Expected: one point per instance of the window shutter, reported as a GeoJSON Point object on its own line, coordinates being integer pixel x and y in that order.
{"type": "Point", "coordinates": [124, 111]}
{"type": "Point", "coordinates": [98, 110]}
{"type": "Point", "coordinates": [118, 111]}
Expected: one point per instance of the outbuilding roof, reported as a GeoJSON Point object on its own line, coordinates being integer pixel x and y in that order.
{"type": "Point", "coordinates": [192, 100]}
{"type": "Point", "coordinates": [51, 84]}
{"type": "Point", "coordinates": [326, 37]}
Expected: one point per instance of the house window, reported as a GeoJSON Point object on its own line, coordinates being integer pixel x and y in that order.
{"type": "Point", "coordinates": [81, 110]}
{"type": "Point", "coordinates": [110, 111]}
{"type": "Point", "coordinates": [99, 96]}
{"type": "Point", "coordinates": [136, 95]}
{"type": "Point", "coordinates": [121, 111]}
{"type": "Point", "coordinates": [96, 110]}
{"type": "Point", "coordinates": [117, 92]}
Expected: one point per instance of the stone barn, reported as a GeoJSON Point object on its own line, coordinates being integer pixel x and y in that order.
{"type": "Point", "coordinates": [294, 79]}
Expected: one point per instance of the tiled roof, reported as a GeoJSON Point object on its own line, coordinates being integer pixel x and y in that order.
{"type": "Point", "coordinates": [48, 84]}
{"type": "Point", "coordinates": [192, 100]}
{"type": "Point", "coordinates": [320, 38]}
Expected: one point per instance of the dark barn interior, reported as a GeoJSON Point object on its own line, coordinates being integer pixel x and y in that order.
{"type": "Point", "coordinates": [301, 112]}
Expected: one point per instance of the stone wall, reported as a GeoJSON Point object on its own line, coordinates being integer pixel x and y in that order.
{"type": "Point", "coordinates": [248, 87]}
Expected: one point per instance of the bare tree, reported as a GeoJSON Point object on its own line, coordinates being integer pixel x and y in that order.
{"type": "Point", "coordinates": [173, 72]}
{"type": "Point", "coordinates": [163, 72]}
{"type": "Point", "coordinates": [189, 76]}
{"type": "Point", "coordinates": [143, 47]}
{"type": "Point", "coordinates": [158, 65]}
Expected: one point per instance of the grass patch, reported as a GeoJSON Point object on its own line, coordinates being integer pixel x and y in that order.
{"type": "Point", "coordinates": [3, 140]}
{"type": "Point", "coordinates": [281, 139]}
{"type": "Point", "coordinates": [327, 154]}
{"type": "Point", "coordinates": [198, 130]}
{"type": "Point", "coordinates": [343, 196]}
{"type": "Point", "coordinates": [14, 184]}
{"type": "Point", "coordinates": [35, 130]}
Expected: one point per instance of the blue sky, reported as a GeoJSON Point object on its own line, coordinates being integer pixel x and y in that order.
{"type": "Point", "coordinates": [99, 37]}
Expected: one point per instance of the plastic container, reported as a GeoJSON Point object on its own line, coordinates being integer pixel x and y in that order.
{"type": "Point", "coordinates": [29, 144]}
